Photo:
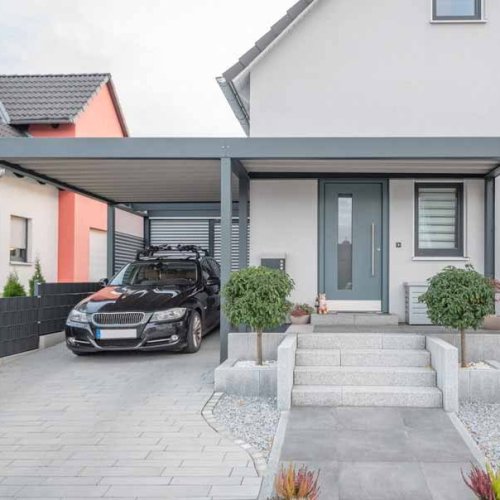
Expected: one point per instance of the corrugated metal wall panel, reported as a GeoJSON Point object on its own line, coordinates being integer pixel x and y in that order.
{"type": "Point", "coordinates": [180, 231]}
{"type": "Point", "coordinates": [194, 232]}
{"type": "Point", "coordinates": [126, 248]}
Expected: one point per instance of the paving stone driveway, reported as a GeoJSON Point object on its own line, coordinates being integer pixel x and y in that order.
{"type": "Point", "coordinates": [120, 425]}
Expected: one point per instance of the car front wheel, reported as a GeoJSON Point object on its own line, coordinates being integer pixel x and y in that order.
{"type": "Point", "coordinates": [195, 333]}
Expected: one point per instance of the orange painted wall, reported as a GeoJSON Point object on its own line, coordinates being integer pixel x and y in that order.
{"type": "Point", "coordinates": [78, 214]}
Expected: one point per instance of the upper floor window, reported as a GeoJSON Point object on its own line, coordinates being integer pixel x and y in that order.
{"type": "Point", "coordinates": [439, 220]}
{"type": "Point", "coordinates": [18, 239]}
{"type": "Point", "coordinates": [456, 10]}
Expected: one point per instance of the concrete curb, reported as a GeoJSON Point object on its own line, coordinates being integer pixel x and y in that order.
{"type": "Point", "coordinates": [207, 413]}
{"type": "Point", "coordinates": [266, 490]}
{"type": "Point", "coordinates": [469, 441]}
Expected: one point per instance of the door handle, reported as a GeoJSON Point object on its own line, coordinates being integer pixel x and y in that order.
{"type": "Point", "coordinates": [373, 249]}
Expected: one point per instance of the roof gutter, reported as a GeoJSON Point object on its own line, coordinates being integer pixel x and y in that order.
{"type": "Point", "coordinates": [231, 94]}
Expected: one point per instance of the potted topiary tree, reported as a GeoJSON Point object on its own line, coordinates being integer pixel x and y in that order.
{"type": "Point", "coordinates": [257, 297]}
{"type": "Point", "coordinates": [461, 299]}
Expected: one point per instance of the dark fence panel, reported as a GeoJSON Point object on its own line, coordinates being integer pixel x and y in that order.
{"type": "Point", "coordinates": [57, 300]}
{"type": "Point", "coordinates": [24, 319]}
{"type": "Point", "coordinates": [18, 325]}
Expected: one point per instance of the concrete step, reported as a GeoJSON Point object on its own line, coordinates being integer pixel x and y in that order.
{"type": "Point", "coordinates": [352, 319]}
{"type": "Point", "coordinates": [365, 376]}
{"type": "Point", "coordinates": [384, 357]}
{"type": "Point", "coordinates": [360, 341]}
{"type": "Point", "coordinates": [317, 357]}
{"type": "Point", "coordinates": [411, 397]}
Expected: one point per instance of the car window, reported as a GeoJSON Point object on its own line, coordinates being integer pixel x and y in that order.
{"type": "Point", "coordinates": [157, 273]}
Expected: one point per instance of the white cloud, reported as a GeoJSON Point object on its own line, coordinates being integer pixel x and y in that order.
{"type": "Point", "coordinates": [164, 55]}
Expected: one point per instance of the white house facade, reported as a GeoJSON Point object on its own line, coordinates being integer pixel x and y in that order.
{"type": "Point", "coordinates": [385, 69]}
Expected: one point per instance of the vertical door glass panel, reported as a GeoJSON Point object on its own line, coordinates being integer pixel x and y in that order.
{"type": "Point", "coordinates": [344, 242]}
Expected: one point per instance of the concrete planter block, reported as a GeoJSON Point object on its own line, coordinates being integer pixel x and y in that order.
{"type": "Point", "coordinates": [286, 367]}
{"type": "Point", "coordinates": [480, 385]}
{"type": "Point", "coordinates": [243, 345]}
{"type": "Point", "coordinates": [250, 381]}
{"type": "Point", "coordinates": [444, 359]}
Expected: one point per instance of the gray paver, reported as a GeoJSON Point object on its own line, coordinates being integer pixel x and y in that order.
{"type": "Point", "coordinates": [379, 453]}
{"type": "Point", "coordinates": [120, 425]}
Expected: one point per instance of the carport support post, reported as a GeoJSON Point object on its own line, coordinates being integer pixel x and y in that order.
{"type": "Point", "coordinates": [489, 229]}
{"type": "Point", "coordinates": [111, 241]}
{"type": "Point", "coordinates": [243, 200]}
{"type": "Point", "coordinates": [226, 223]}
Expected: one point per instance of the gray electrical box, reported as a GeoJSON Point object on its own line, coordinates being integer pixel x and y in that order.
{"type": "Point", "coordinates": [274, 263]}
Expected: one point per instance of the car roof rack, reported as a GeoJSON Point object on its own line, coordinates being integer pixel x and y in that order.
{"type": "Point", "coordinates": [158, 251]}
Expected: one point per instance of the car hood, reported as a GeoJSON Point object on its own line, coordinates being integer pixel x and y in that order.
{"type": "Point", "coordinates": [136, 298]}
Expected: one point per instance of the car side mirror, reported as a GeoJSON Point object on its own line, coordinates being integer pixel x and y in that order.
{"type": "Point", "coordinates": [104, 282]}
{"type": "Point", "coordinates": [213, 281]}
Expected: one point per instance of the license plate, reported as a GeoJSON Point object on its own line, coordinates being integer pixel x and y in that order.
{"type": "Point", "coordinates": [130, 333]}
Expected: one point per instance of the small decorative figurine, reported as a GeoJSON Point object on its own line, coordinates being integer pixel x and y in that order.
{"type": "Point", "coordinates": [322, 304]}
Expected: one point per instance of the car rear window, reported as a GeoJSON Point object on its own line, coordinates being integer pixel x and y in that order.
{"type": "Point", "coordinates": [157, 273]}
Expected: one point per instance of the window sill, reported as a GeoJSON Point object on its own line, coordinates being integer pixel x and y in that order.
{"type": "Point", "coordinates": [458, 21]}
{"type": "Point", "coordinates": [25, 264]}
{"type": "Point", "coordinates": [441, 259]}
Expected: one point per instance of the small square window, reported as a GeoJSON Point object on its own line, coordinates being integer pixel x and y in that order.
{"type": "Point", "coordinates": [439, 220]}
{"type": "Point", "coordinates": [18, 239]}
{"type": "Point", "coordinates": [456, 10]}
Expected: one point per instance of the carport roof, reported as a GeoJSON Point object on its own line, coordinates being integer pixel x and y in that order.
{"type": "Point", "coordinates": [177, 170]}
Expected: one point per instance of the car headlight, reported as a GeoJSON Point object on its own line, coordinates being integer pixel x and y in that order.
{"type": "Point", "coordinates": [169, 314]}
{"type": "Point", "coordinates": [77, 316]}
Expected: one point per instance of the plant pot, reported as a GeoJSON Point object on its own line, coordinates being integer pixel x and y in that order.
{"type": "Point", "coordinates": [300, 320]}
{"type": "Point", "coordinates": [491, 322]}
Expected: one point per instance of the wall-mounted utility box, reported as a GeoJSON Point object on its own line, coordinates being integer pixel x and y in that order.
{"type": "Point", "coordinates": [416, 312]}
{"type": "Point", "coordinates": [278, 262]}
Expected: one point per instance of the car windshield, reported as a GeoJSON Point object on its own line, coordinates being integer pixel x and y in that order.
{"type": "Point", "coordinates": [157, 273]}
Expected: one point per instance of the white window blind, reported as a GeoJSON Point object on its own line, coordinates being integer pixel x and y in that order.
{"type": "Point", "coordinates": [438, 219]}
{"type": "Point", "coordinates": [18, 232]}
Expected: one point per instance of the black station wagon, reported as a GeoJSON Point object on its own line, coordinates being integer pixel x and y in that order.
{"type": "Point", "coordinates": [168, 299]}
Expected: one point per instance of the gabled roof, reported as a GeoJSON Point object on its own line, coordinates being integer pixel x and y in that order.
{"type": "Point", "coordinates": [234, 82]}
{"type": "Point", "coordinates": [7, 130]}
{"type": "Point", "coordinates": [51, 99]}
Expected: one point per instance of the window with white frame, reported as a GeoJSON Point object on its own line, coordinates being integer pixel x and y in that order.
{"type": "Point", "coordinates": [439, 220]}
{"type": "Point", "coordinates": [18, 239]}
{"type": "Point", "coordinates": [457, 10]}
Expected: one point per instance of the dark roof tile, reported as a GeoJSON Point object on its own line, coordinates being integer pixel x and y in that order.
{"type": "Point", "coordinates": [48, 98]}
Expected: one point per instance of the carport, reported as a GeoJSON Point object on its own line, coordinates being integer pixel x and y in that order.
{"type": "Point", "coordinates": [139, 172]}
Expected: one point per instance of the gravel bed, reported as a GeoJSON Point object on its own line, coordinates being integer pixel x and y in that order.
{"type": "Point", "coordinates": [483, 423]}
{"type": "Point", "coordinates": [253, 420]}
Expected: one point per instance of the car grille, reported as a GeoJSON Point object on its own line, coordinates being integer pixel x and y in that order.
{"type": "Point", "coordinates": [118, 343]}
{"type": "Point", "coordinates": [118, 319]}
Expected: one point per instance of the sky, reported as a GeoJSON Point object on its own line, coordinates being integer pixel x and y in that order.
{"type": "Point", "coordinates": [163, 55]}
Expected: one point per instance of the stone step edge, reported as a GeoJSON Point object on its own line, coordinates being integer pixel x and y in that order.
{"type": "Point", "coordinates": [367, 369]}
{"type": "Point", "coordinates": [386, 389]}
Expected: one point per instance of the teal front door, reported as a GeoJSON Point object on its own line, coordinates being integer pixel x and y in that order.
{"type": "Point", "coordinates": [353, 246]}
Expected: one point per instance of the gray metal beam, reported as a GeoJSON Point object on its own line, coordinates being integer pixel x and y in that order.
{"type": "Point", "coordinates": [239, 170]}
{"type": "Point", "coordinates": [111, 240]}
{"type": "Point", "coordinates": [226, 172]}
{"type": "Point", "coordinates": [489, 227]}
{"type": "Point", "coordinates": [17, 149]}
{"type": "Point", "coordinates": [495, 172]}
{"type": "Point", "coordinates": [244, 198]}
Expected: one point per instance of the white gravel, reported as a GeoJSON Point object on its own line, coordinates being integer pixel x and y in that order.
{"type": "Point", "coordinates": [253, 420]}
{"type": "Point", "coordinates": [483, 423]}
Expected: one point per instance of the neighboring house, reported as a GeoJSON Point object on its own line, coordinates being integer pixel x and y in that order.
{"type": "Point", "coordinates": [66, 231]}
{"type": "Point", "coordinates": [358, 230]}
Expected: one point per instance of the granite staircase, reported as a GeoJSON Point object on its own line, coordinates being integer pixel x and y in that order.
{"type": "Point", "coordinates": [364, 369]}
